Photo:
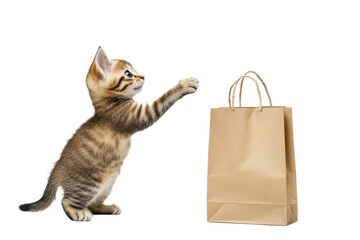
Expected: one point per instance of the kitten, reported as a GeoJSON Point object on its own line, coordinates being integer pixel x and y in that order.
{"type": "Point", "coordinates": [92, 158]}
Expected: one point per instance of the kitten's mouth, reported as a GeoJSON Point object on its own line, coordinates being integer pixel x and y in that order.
{"type": "Point", "coordinates": [138, 88]}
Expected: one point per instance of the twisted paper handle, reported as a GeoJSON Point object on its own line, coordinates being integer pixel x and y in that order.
{"type": "Point", "coordinates": [263, 83]}
{"type": "Point", "coordinates": [233, 88]}
{"type": "Point", "coordinates": [234, 85]}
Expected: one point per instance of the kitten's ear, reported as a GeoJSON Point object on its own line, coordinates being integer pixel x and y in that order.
{"type": "Point", "coordinates": [102, 62]}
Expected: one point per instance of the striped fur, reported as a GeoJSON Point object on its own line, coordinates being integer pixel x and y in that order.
{"type": "Point", "coordinates": [92, 158]}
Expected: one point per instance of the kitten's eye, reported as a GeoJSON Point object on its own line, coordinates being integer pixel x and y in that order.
{"type": "Point", "coordinates": [128, 74]}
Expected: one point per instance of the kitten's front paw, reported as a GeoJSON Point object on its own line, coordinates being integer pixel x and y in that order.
{"type": "Point", "coordinates": [189, 85]}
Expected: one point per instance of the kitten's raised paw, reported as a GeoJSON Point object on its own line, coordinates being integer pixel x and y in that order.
{"type": "Point", "coordinates": [190, 85]}
{"type": "Point", "coordinates": [105, 209]}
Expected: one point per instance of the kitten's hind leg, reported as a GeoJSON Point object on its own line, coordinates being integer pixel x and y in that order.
{"type": "Point", "coordinates": [97, 206]}
{"type": "Point", "coordinates": [75, 211]}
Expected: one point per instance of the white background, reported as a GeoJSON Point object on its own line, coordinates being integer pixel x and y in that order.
{"type": "Point", "coordinates": [306, 51]}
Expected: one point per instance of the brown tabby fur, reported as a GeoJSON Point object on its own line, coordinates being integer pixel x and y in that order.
{"type": "Point", "coordinates": [92, 158]}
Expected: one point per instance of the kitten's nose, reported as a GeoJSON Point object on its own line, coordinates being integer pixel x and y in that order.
{"type": "Point", "coordinates": [141, 76]}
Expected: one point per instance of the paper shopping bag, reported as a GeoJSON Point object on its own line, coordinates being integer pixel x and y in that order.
{"type": "Point", "coordinates": [251, 169]}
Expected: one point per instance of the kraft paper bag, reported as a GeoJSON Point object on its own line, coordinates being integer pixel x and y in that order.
{"type": "Point", "coordinates": [251, 170]}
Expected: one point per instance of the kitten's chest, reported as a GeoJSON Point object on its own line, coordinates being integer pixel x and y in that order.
{"type": "Point", "coordinates": [122, 147]}
{"type": "Point", "coordinates": [112, 146]}
{"type": "Point", "coordinates": [117, 145]}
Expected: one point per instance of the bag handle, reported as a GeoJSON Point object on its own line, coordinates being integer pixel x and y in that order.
{"type": "Point", "coordinates": [242, 78]}
{"type": "Point", "coordinates": [233, 88]}
{"type": "Point", "coordinates": [263, 83]}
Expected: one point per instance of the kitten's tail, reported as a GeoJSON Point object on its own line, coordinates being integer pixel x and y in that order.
{"type": "Point", "coordinates": [47, 198]}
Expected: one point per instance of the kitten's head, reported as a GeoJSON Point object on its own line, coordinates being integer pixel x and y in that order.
{"type": "Point", "coordinates": [112, 78]}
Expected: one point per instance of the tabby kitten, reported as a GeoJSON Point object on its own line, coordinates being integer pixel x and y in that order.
{"type": "Point", "coordinates": [92, 158]}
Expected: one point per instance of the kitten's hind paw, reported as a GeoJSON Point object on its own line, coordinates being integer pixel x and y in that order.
{"type": "Point", "coordinates": [105, 209]}
{"type": "Point", "coordinates": [76, 213]}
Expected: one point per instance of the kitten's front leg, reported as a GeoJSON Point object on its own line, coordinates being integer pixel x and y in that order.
{"type": "Point", "coordinates": [184, 87]}
{"type": "Point", "coordinates": [147, 115]}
